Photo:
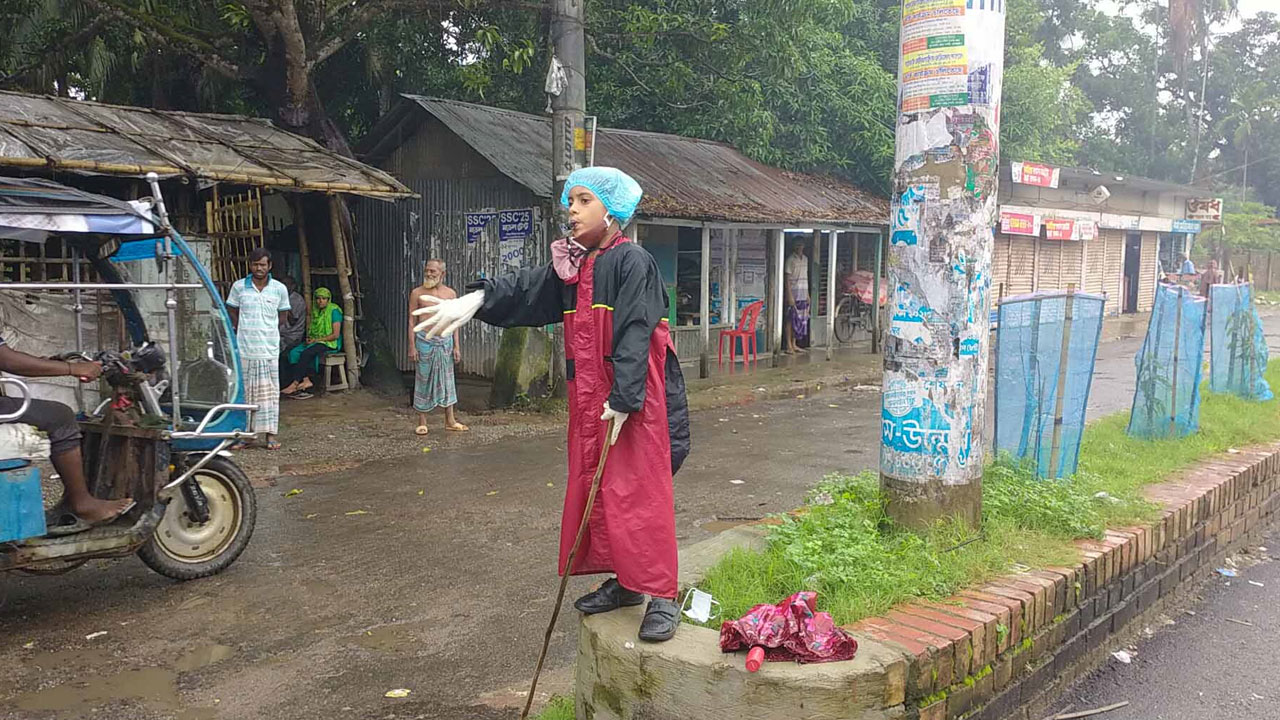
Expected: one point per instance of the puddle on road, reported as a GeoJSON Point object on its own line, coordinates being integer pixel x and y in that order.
{"type": "Point", "coordinates": [193, 603]}
{"type": "Point", "coordinates": [388, 638]}
{"type": "Point", "coordinates": [155, 687]}
{"type": "Point", "coordinates": [719, 526]}
{"type": "Point", "coordinates": [65, 659]}
{"type": "Point", "coordinates": [203, 656]}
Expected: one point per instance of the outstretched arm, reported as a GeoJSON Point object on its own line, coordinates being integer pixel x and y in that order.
{"type": "Point", "coordinates": [529, 297]}
{"type": "Point", "coordinates": [19, 363]}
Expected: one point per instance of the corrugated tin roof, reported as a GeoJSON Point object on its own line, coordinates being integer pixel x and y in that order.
{"type": "Point", "coordinates": [682, 177]}
{"type": "Point", "coordinates": [1091, 177]}
{"type": "Point", "coordinates": [93, 138]}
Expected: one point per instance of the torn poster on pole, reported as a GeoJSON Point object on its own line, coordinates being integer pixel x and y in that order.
{"type": "Point", "coordinates": [1045, 351]}
{"type": "Point", "coordinates": [1166, 403]}
{"type": "Point", "coordinates": [944, 208]}
{"type": "Point", "coordinates": [1238, 354]}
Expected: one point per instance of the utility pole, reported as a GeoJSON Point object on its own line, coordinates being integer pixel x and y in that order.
{"type": "Point", "coordinates": [525, 351]}
{"type": "Point", "coordinates": [951, 68]}
{"type": "Point", "coordinates": [567, 85]}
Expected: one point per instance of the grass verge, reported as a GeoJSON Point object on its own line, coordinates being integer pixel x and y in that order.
{"type": "Point", "coordinates": [559, 707]}
{"type": "Point", "coordinates": [843, 546]}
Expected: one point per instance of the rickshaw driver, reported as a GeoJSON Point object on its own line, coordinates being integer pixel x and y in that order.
{"type": "Point", "coordinates": [59, 422]}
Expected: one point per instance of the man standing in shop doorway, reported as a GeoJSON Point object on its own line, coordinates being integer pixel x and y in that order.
{"type": "Point", "coordinates": [796, 282]}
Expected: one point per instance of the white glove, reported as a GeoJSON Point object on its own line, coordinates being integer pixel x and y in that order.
{"type": "Point", "coordinates": [618, 419]}
{"type": "Point", "coordinates": [445, 316]}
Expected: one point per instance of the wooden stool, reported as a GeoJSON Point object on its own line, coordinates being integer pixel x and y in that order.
{"type": "Point", "coordinates": [332, 362]}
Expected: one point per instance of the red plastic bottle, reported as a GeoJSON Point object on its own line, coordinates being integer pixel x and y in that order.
{"type": "Point", "coordinates": [755, 658]}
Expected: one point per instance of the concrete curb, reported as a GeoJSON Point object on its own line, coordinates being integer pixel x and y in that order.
{"type": "Point", "coordinates": [994, 652]}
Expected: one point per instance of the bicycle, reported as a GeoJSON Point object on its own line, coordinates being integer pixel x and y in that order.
{"type": "Point", "coordinates": [851, 314]}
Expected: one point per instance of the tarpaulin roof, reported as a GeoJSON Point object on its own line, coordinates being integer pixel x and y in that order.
{"type": "Point", "coordinates": [93, 138]}
{"type": "Point", "coordinates": [682, 177]}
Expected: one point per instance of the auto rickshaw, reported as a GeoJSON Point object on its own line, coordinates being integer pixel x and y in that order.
{"type": "Point", "coordinates": [170, 400]}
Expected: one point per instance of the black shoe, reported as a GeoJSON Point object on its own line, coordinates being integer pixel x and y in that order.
{"type": "Point", "coordinates": [660, 620]}
{"type": "Point", "coordinates": [610, 596]}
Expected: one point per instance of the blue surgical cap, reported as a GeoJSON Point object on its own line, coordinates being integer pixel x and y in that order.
{"type": "Point", "coordinates": [619, 192]}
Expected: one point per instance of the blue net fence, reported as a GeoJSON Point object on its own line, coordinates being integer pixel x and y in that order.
{"type": "Point", "coordinates": [1166, 403]}
{"type": "Point", "coordinates": [1238, 354]}
{"type": "Point", "coordinates": [1046, 345]}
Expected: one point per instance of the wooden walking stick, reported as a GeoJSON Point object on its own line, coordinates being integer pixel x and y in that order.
{"type": "Point", "coordinates": [568, 567]}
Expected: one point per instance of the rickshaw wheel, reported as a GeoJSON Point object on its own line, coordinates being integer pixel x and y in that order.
{"type": "Point", "coordinates": [185, 550]}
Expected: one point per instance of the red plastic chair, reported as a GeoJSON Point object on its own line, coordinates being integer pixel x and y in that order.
{"type": "Point", "coordinates": [746, 331]}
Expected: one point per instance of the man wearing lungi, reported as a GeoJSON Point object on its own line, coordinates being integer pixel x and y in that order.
{"type": "Point", "coordinates": [259, 308]}
{"type": "Point", "coordinates": [433, 384]}
{"type": "Point", "coordinates": [796, 284]}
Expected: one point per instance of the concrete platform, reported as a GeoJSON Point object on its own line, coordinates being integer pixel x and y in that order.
{"type": "Point", "coordinates": [621, 678]}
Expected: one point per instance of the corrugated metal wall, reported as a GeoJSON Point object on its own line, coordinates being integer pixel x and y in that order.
{"type": "Point", "coordinates": [395, 240]}
{"type": "Point", "coordinates": [1095, 272]}
{"type": "Point", "coordinates": [1149, 269]}
{"type": "Point", "coordinates": [1113, 269]}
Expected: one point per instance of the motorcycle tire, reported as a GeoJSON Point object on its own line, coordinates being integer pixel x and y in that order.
{"type": "Point", "coordinates": [184, 550]}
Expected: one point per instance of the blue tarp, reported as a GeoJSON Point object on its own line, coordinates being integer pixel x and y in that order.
{"type": "Point", "coordinates": [1166, 402]}
{"type": "Point", "coordinates": [1029, 356]}
{"type": "Point", "coordinates": [1238, 356]}
{"type": "Point", "coordinates": [142, 250]}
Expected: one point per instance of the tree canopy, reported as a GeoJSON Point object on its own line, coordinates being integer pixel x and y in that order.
{"type": "Point", "coordinates": [1162, 91]}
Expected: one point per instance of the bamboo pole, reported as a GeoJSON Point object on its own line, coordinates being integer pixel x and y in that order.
{"type": "Point", "coordinates": [875, 293]}
{"type": "Point", "coordinates": [833, 240]}
{"type": "Point", "coordinates": [704, 304]}
{"type": "Point", "coordinates": [348, 299]}
{"type": "Point", "coordinates": [1063, 356]}
{"type": "Point", "coordinates": [304, 251]}
{"type": "Point", "coordinates": [1173, 386]}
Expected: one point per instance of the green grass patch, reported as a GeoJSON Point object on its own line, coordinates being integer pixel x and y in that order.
{"type": "Point", "coordinates": [843, 546]}
{"type": "Point", "coordinates": [1267, 297]}
{"type": "Point", "coordinates": [560, 707]}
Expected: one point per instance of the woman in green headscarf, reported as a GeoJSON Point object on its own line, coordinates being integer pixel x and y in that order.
{"type": "Point", "coordinates": [324, 335]}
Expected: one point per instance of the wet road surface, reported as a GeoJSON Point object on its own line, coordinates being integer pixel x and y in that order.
{"type": "Point", "coordinates": [432, 572]}
{"type": "Point", "coordinates": [441, 586]}
{"type": "Point", "coordinates": [1216, 659]}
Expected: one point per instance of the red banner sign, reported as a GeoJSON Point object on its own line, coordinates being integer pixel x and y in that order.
{"type": "Point", "coordinates": [1025, 173]}
{"type": "Point", "coordinates": [1017, 223]}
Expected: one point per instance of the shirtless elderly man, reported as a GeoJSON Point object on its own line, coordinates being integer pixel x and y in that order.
{"type": "Point", "coordinates": [433, 382]}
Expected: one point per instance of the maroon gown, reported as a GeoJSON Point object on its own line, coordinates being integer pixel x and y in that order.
{"type": "Point", "coordinates": [618, 349]}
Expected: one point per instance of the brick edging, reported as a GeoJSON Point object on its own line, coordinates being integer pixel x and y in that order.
{"type": "Point", "coordinates": [989, 652]}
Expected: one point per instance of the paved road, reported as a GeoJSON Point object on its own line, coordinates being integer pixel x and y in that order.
{"type": "Point", "coordinates": [441, 586]}
{"type": "Point", "coordinates": [1203, 666]}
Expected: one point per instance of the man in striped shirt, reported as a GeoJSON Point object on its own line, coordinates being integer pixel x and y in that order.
{"type": "Point", "coordinates": [259, 308]}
